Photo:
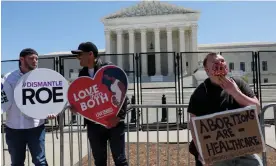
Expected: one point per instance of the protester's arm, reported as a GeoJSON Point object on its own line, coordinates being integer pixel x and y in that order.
{"type": "Point", "coordinates": [244, 100]}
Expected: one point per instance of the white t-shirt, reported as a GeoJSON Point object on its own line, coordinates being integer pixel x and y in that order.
{"type": "Point", "coordinates": [91, 72]}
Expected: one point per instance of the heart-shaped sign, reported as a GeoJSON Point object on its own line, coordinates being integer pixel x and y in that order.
{"type": "Point", "coordinates": [100, 98]}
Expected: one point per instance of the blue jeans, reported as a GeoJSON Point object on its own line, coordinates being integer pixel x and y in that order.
{"type": "Point", "coordinates": [98, 136]}
{"type": "Point", "coordinates": [18, 139]}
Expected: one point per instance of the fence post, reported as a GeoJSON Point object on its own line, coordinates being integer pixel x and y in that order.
{"type": "Point", "coordinates": [164, 110]}
{"type": "Point", "coordinates": [61, 120]}
{"type": "Point", "coordinates": [133, 112]}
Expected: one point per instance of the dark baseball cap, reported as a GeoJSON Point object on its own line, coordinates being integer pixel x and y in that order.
{"type": "Point", "coordinates": [86, 47]}
{"type": "Point", "coordinates": [27, 51]}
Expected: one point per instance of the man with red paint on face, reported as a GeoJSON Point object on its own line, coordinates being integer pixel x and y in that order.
{"type": "Point", "coordinates": [87, 54]}
{"type": "Point", "coordinates": [216, 94]}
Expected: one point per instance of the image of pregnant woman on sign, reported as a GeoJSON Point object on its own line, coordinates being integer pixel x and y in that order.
{"type": "Point", "coordinates": [116, 82]}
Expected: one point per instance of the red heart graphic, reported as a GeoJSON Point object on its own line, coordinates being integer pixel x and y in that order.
{"type": "Point", "coordinates": [100, 98]}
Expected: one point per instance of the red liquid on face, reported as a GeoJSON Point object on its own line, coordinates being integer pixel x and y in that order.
{"type": "Point", "coordinates": [219, 69]}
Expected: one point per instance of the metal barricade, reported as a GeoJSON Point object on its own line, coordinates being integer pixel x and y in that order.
{"type": "Point", "coordinates": [148, 144]}
{"type": "Point", "coordinates": [145, 135]}
{"type": "Point", "coordinates": [149, 139]}
{"type": "Point", "coordinates": [263, 125]}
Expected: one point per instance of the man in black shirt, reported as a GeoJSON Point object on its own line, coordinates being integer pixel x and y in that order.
{"type": "Point", "coordinates": [216, 94]}
{"type": "Point", "coordinates": [98, 135]}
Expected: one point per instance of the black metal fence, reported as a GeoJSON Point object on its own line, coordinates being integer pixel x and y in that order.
{"type": "Point", "coordinates": [167, 78]}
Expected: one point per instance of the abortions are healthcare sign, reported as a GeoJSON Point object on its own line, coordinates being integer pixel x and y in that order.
{"type": "Point", "coordinates": [41, 92]}
{"type": "Point", "coordinates": [228, 134]}
{"type": "Point", "coordinates": [6, 96]}
{"type": "Point", "coordinates": [100, 98]}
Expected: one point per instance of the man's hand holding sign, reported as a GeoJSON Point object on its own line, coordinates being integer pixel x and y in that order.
{"type": "Point", "coordinates": [99, 99]}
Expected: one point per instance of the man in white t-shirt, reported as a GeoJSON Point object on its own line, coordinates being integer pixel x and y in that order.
{"type": "Point", "coordinates": [21, 130]}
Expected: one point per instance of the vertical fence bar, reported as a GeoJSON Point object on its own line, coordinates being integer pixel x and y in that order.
{"type": "Point", "coordinates": [260, 80]}
{"type": "Point", "coordinates": [178, 148]}
{"type": "Point", "coordinates": [180, 112]}
{"type": "Point", "coordinates": [79, 144]}
{"type": "Point", "coordinates": [3, 140]}
{"type": "Point", "coordinates": [188, 135]}
{"type": "Point", "coordinates": [274, 108]}
{"type": "Point", "coordinates": [128, 157]}
{"type": "Point", "coordinates": [139, 81]}
{"type": "Point", "coordinates": [53, 139]}
{"type": "Point", "coordinates": [147, 119]}
{"type": "Point", "coordinates": [168, 142]}
{"type": "Point", "coordinates": [61, 125]}
{"type": "Point", "coordinates": [71, 142]}
{"type": "Point", "coordinates": [157, 148]}
{"type": "Point", "coordinates": [254, 68]}
{"type": "Point", "coordinates": [137, 143]}
{"type": "Point", "coordinates": [80, 138]}
{"type": "Point", "coordinates": [181, 71]}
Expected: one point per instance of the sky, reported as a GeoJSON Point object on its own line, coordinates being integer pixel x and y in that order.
{"type": "Point", "coordinates": [61, 26]}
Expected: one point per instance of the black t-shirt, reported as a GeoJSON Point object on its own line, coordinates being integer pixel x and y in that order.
{"type": "Point", "coordinates": [209, 98]}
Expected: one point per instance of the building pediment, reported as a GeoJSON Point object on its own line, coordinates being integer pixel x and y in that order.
{"type": "Point", "coordinates": [150, 8]}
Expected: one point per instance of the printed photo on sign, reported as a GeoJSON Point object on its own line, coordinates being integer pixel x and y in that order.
{"type": "Point", "coordinates": [229, 134]}
{"type": "Point", "coordinates": [41, 92]}
{"type": "Point", "coordinates": [100, 98]}
{"type": "Point", "coordinates": [6, 96]}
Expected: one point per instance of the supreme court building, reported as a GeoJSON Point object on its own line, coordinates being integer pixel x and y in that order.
{"type": "Point", "coordinates": [156, 30]}
{"type": "Point", "coordinates": [152, 26]}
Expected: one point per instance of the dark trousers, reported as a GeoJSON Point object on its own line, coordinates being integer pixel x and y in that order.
{"type": "Point", "coordinates": [18, 139]}
{"type": "Point", "coordinates": [197, 162]}
{"type": "Point", "coordinates": [98, 136]}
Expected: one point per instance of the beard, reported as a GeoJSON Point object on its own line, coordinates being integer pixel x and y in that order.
{"type": "Point", "coordinates": [29, 66]}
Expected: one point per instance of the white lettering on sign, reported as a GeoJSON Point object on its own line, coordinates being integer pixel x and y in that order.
{"type": "Point", "coordinates": [104, 113]}
{"type": "Point", "coordinates": [91, 91]}
{"type": "Point", "coordinates": [94, 101]}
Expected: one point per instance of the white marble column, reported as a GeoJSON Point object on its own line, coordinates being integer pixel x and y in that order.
{"type": "Point", "coordinates": [182, 48]}
{"type": "Point", "coordinates": [194, 60]}
{"type": "Point", "coordinates": [157, 49]}
{"type": "Point", "coordinates": [119, 47]}
{"type": "Point", "coordinates": [131, 40]}
{"type": "Point", "coordinates": [144, 64]}
{"type": "Point", "coordinates": [170, 49]}
{"type": "Point", "coordinates": [107, 45]}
